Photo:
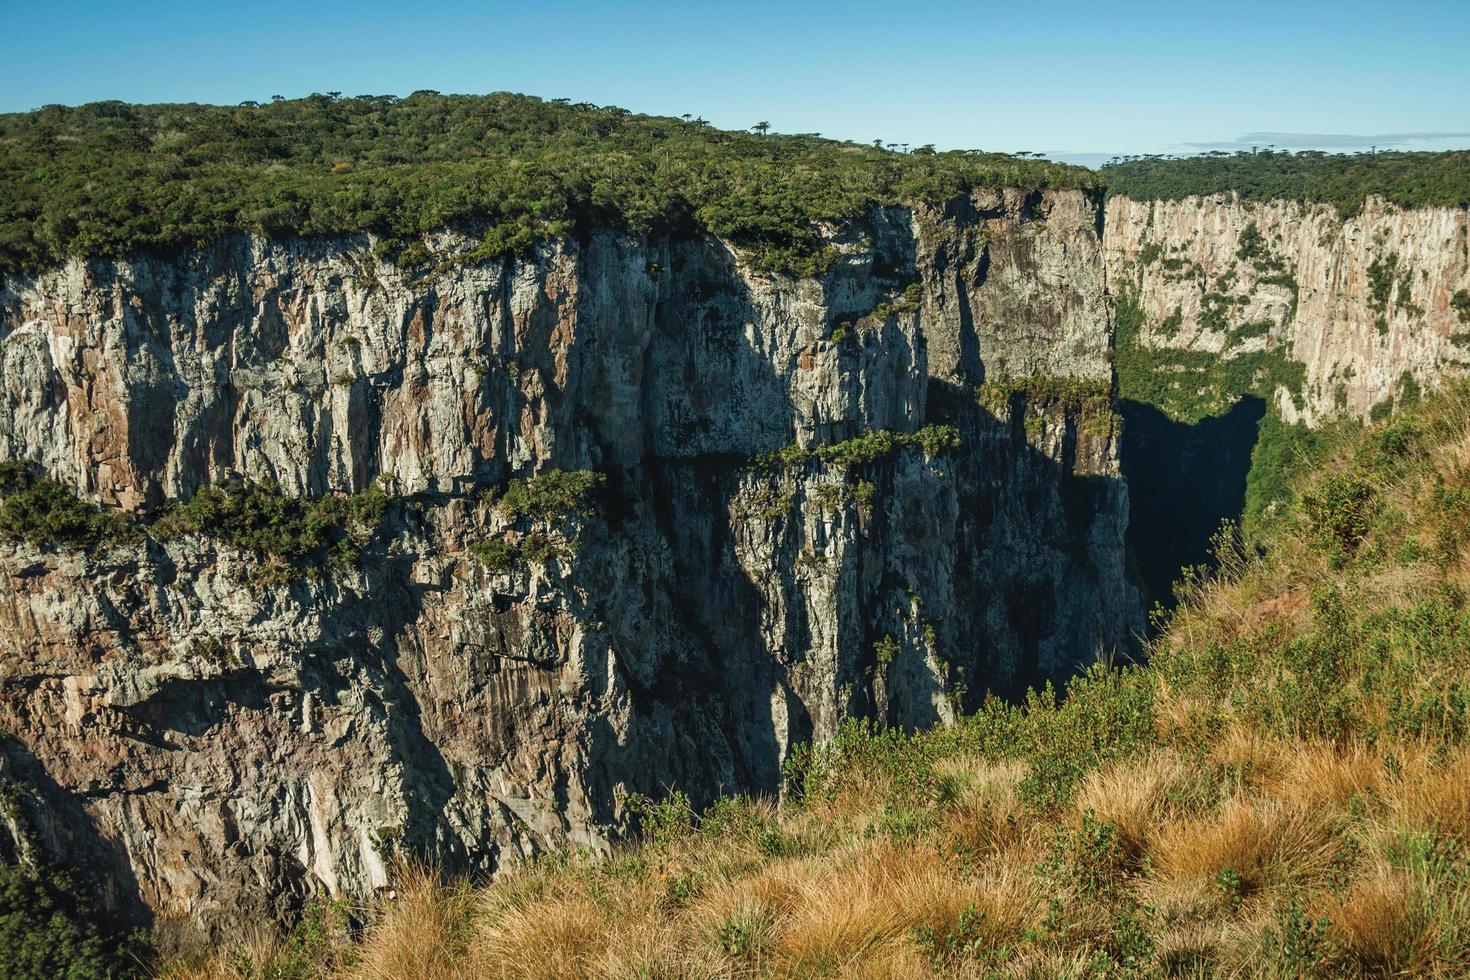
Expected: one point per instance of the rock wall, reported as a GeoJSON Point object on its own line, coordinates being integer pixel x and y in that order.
{"type": "Point", "coordinates": [1361, 303]}
{"type": "Point", "coordinates": [211, 746]}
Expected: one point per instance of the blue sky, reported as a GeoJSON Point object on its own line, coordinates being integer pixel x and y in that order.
{"type": "Point", "coordinates": [1079, 80]}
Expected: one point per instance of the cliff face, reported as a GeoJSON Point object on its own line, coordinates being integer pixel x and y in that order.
{"type": "Point", "coordinates": [214, 745]}
{"type": "Point", "coordinates": [1361, 304]}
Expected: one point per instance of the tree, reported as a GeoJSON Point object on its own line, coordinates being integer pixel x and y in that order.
{"type": "Point", "coordinates": [762, 127]}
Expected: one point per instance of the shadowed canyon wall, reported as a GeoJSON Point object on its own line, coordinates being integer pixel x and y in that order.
{"type": "Point", "coordinates": [213, 744]}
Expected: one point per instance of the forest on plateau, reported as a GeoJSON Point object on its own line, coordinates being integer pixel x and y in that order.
{"type": "Point", "coordinates": [109, 178]}
{"type": "Point", "coordinates": [1343, 180]}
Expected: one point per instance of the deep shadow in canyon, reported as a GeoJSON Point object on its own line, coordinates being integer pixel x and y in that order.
{"type": "Point", "coordinates": [1183, 480]}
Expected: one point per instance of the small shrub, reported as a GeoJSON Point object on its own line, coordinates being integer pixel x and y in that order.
{"type": "Point", "coordinates": [663, 821]}
{"type": "Point", "coordinates": [1339, 513]}
{"type": "Point", "coordinates": [496, 554]}
{"type": "Point", "coordinates": [1302, 939]}
{"type": "Point", "coordinates": [551, 495]}
{"type": "Point", "coordinates": [44, 512]}
{"type": "Point", "coordinates": [1090, 856]}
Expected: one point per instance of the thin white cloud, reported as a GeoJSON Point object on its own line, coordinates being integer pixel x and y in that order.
{"type": "Point", "coordinates": [1328, 141]}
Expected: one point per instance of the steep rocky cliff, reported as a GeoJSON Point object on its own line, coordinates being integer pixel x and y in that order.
{"type": "Point", "coordinates": [1244, 325]}
{"type": "Point", "coordinates": [880, 494]}
{"type": "Point", "coordinates": [1355, 309]}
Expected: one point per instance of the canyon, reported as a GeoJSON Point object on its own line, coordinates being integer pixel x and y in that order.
{"type": "Point", "coordinates": [212, 743]}
{"type": "Point", "coordinates": [884, 492]}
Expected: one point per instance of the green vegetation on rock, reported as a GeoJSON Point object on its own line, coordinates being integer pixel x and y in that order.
{"type": "Point", "coordinates": [547, 498]}
{"type": "Point", "coordinates": [1342, 180]}
{"type": "Point", "coordinates": [111, 178]}
{"type": "Point", "coordinates": [550, 495]}
{"type": "Point", "coordinates": [866, 448]}
{"type": "Point", "coordinates": [44, 512]}
{"type": "Point", "coordinates": [295, 532]}
{"type": "Point", "coordinates": [48, 929]}
{"type": "Point", "coordinates": [1189, 385]}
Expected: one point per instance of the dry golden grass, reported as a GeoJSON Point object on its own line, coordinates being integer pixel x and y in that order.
{"type": "Point", "coordinates": [871, 902]}
{"type": "Point", "coordinates": [1137, 797]}
{"type": "Point", "coordinates": [558, 936]}
{"type": "Point", "coordinates": [1431, 794]}
{"type": "Point", "coordinates": [1266, 843]}
{"type": "Point", "coordinates": [864, 906]}
{"type": "Point", "coordinates": [1380, 925]}
{"type": "Point", "coordinates": [422, 935]}
{"type": "Point", "coordinates": [1323, 776]}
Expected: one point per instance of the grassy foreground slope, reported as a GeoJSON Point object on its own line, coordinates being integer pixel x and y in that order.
{"type": "Point", "coordinates": [1284, 790]}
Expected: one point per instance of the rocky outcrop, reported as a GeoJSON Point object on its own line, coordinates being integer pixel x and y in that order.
{"type": "Point", "coordinates": [1363, 304]}
{"type": "Point", "coordinates": [212, 743]}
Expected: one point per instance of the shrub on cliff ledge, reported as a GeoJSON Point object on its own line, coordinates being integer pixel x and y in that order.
{"type": "Point", "coordinates": [259, 518]}
{"type": "Point", "coordinates": [551, 495]}
{"type": "Point", "coordinates": [866, 448]}
{"type": "Point", "coordinates": [42, 511]}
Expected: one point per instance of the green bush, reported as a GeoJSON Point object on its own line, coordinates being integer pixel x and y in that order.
{"type": "Point", "coordinates": [551, 495]}
{"type": "Point", "coordinates": [663, 821]}
{"type": "Point", "coordinates": [259, 518]}
{"type": "Point", "coordinates": [1339, 512]}
{"type": "Point", "coordinates": [496, 554]}
{"type": "Point", "coordinates": [42, 511]}
{"type": "Point", "coordinates": [48, 930]}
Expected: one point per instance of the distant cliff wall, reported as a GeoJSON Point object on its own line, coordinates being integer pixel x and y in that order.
{"type": "Point", "coordinates": [1361, 304]}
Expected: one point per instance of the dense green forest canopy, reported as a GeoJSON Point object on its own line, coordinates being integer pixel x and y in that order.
{"type": "Point", "coordinates": [110, 178]}
{"type": "Point", "coordinates": [1344, 180]}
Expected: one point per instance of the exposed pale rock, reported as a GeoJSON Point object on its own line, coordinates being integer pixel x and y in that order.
{"type": "Point", "coordinates": [1312, 283]}
{"type": "Point", "coordinates": [214, 751]}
